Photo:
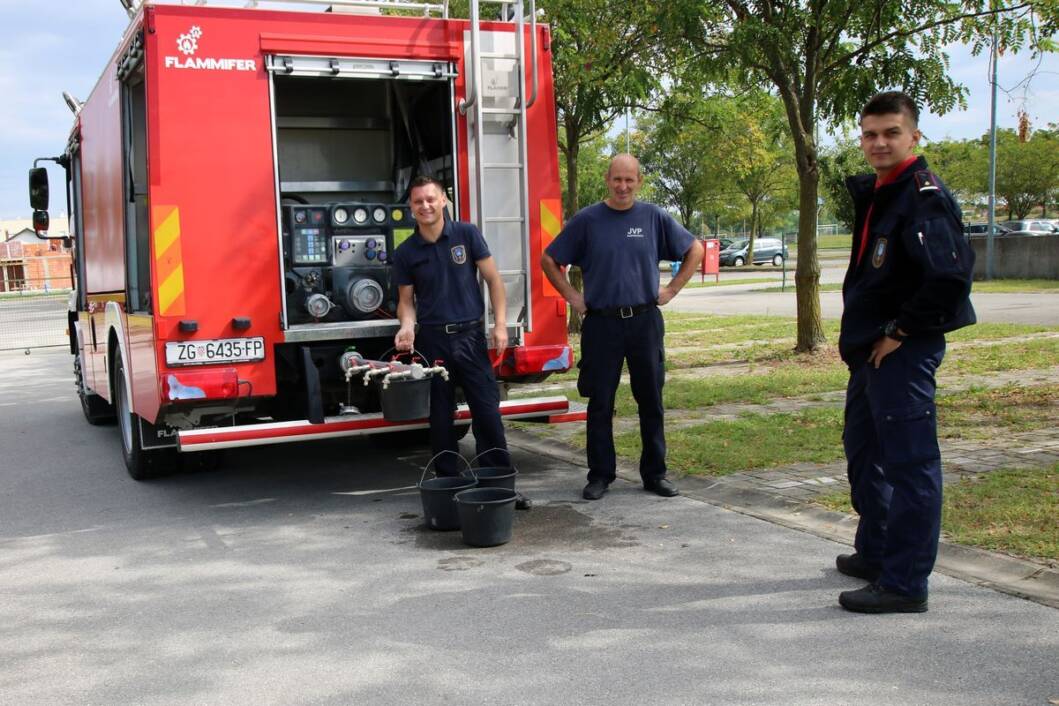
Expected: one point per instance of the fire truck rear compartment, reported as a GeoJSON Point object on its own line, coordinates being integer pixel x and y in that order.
{"type": "Point", "coordinates": [346, 151]}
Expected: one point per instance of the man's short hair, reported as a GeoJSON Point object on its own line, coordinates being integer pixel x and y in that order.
{"type": "Point", "coordinates": [889, 102]}
{"type": "Point", "coordinates": [423, 180]}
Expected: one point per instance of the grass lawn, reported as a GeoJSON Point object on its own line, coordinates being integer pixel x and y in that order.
{"type": "Point", "coordinates": [834, 242]}
{"type": "Point", "coordinates": [998, 286]}
{"type": "Point", "coordinates": [987, 414]}
{"type": "Point", "coordinates": [756, 387]}
{"type": "Point", "coordinates": [1002, 286]}
{"type": "Point", "coordinates": [1010, 510]}
{"type": "Point", "coordinates": [697, 283]}
{"type": "Point", "coordinates": [998, 357]}
{"type": "Point", "coordinates": [718, 448]}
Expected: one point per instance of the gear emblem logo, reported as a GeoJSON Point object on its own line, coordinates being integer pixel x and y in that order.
{"type": "Point", "coordinates": [188, 43]}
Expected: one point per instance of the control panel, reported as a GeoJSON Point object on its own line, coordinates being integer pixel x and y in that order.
{"type": "Point", "coordinates": [336, 260]}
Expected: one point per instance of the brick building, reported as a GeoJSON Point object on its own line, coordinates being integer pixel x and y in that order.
{"type": "Point", "coordinates": [28, 263]}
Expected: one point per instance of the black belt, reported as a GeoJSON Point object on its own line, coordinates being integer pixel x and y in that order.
{"type": "Point", "coordinates": [458, 327]}
{"type": "Point", "coordinates": [622, 312]}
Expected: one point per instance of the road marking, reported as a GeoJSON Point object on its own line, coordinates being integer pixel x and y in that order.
{"type": "Point", "coordinates": [374, 492]}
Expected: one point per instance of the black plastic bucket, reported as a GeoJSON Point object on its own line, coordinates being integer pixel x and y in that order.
{"type": "Point", "coordinates": [439, 508]}
{"type": "Point", "coordinates": [493, 476]}
{"type": "Point", "coordinates": [403, 400]}
{"type": "Point", "coordinates": [486, 515]}
{"type": "Point", "coordinates": [438, 496]}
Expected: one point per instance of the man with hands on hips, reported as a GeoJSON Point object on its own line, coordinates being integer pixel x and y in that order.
{"type": "Point", "coordinates": [618, 244]}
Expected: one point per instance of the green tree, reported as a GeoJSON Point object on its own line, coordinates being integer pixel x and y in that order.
{"type": "Point", "coordinates": [606, 57]}
{"type": "Point", "coordinates": [1027, 173]}
{"type": "Point", "coordinates": [593, 160]}
{"type": "Point", "coordinates": [837, 163]}
{"type": "Point", "coordinates": [824, 58]}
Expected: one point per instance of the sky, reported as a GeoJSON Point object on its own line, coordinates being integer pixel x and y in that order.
{"type": "Point", "coordinates": [56, 45]}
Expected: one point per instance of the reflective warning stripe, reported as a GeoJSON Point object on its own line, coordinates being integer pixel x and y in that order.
{"type": "Point", "coordinates": [551, 224]}
{"type": "Point", "coordinates": [168, 261]}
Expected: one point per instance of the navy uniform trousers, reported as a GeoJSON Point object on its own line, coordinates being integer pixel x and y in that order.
{"type": "Point", "coordinates": [466, 357]}
{"type": "Point", "coordinates": [894, 463]}
{"type": "Point", "coordinates": [606, 342]}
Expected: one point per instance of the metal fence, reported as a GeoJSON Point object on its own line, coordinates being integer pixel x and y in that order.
{"type": "Point", "coordinates": [32, 309]}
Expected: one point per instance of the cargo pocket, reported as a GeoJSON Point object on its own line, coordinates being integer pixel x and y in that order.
{"type": "Point", "coordinates": [910, 434]}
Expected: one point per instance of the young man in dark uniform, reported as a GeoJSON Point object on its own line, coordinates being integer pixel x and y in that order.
{"type": "Point", "coordinates": [436, 271]}
{"type": "Point", "coordinates": [908, 284]}
{"type": "Point", "coordinates": [618, 244]}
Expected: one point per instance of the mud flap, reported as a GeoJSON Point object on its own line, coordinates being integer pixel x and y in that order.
{"type": "Point", "coordinates": [156, 436]}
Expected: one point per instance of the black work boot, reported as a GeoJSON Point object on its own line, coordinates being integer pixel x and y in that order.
{"type": "Point", "coordinates": [594, 490]}
{"type": "Point", "coordinates": [873, 598]}
{"type": "Point", "coordinates": [854, 565]}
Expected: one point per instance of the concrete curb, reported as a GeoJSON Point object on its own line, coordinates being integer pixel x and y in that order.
{"type": "Point", "coordinates": [1000, 572]}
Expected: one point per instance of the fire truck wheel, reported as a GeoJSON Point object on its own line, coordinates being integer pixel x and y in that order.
{"type": "Point", "coordinates": [140, 463]}
{"type": "Point", "coordinates": [96, 409]}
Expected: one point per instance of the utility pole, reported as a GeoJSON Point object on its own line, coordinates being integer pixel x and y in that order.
{"type": "Point", "coordinates": [989, 254]}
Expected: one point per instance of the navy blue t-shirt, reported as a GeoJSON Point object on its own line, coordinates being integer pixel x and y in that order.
{"type": "Point", "coordinates": [443, 274]}
{"type": "Point", "coordinates": [619, 251]}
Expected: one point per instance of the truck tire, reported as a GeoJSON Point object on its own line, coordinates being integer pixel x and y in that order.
{"type": "Point", "coordinates": [140, 463]}
{"type": "Point", "coordinates": [96, 409]}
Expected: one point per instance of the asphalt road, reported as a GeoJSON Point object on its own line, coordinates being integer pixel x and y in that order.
{"type": "Point", "coordinates": [302, 574]}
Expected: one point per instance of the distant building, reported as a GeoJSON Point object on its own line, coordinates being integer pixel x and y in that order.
{"type": "Point", "coordinates": [28, 263]}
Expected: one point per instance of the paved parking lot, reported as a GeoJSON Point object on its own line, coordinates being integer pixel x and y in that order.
{"type": "Point", "coordinates": [303, 575]}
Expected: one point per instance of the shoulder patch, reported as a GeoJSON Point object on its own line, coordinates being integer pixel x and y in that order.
{"type": "Point", "coordinates": [926, 181]}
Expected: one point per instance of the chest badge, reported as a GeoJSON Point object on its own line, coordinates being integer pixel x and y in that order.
{"type": "Point", "coordinates": [459, 254]}
{"type": "Point", "coordinates": [878, 255]}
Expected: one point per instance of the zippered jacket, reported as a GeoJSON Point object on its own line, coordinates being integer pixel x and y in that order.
{"type": "Point", "coordinates": [916, 267]}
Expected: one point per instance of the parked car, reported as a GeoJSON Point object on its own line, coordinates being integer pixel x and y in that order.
{"type": "Point", "coordinates": [983, 228]}
{"type": "Point", "coordinates": [1038, 226]}
{"type": "Point", "coordinates": [765, 250]}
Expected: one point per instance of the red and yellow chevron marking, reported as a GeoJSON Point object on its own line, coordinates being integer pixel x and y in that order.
{"type": "Point", "coordinates": [551, 224]}
{"type": "Point", "coordinates": [168, 262]}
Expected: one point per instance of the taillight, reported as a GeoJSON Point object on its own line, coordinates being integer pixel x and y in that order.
{"type": "Point", "coordinates": [220, 383]}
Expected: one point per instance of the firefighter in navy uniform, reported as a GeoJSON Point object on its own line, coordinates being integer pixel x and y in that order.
{"type": "Point", "coordinates": [907, 285]}
{"type": "Point", "coordinates": [618, 244]}
{"type": "Point", "coordinates": [436, 274]}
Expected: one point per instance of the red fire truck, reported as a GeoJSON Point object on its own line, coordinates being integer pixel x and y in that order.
{"type": "Point", "coordinates": [237, 181]}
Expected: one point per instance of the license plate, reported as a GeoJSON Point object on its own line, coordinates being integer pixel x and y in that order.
{"type": "Point", "coordinates": [219, 350]}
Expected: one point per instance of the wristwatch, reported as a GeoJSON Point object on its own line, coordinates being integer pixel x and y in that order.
{"type": "Point", "coordinates": [890, 331]}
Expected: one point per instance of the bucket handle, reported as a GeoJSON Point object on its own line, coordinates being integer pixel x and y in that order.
{"type": "Point", "coordinates": [413, 353]}
{"type": "Point", "coordinates": [495, 448]}
{"type": "Point", "coordinates": [431, 461]}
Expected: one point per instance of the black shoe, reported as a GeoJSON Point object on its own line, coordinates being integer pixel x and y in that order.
{"type": "Point", "coordinates": [873, 598]}
{"type": "Point", "coordinates": [661, 486]}
{"type": "Point", "coordinates": [855, 566]}
{"type": "Point", "coordinates": [594, 490]}
{"type": "Point", "coordinates": [522, 502]}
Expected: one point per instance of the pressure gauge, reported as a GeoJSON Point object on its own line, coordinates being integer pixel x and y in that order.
{"type": "Point", "coordinates": [360, 215]}
{"type": "Point", "coordinates": [379, 215]}
{"type": "Point", "coordinates": [341, 215]}
{"type": "Point", "coordinates": [397, 214]}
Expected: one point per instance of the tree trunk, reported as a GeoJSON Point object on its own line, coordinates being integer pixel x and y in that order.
{"type": "Point", "coordinates": [801, 110]}
{"type": "Point", "coordinates": [807, 273]}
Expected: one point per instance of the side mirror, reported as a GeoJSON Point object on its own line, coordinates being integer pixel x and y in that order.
{"type": "Point", "coordinates": [41, 221]}
{"type": "Point", "coordinates": [38, 190]}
